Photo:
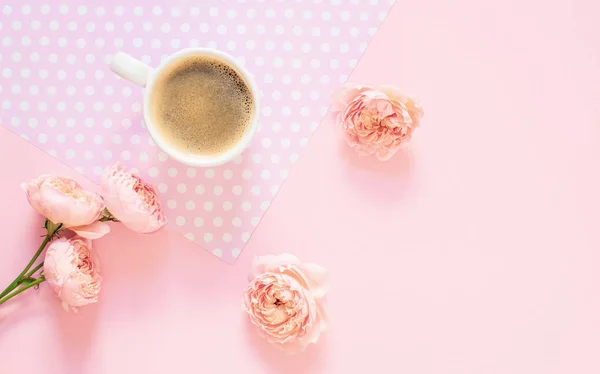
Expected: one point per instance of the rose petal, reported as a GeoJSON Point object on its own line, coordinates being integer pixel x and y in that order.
{"type": "Point", "coordinates": [317, 277]}
{"type": "Point", "coordinates": [95, 230]}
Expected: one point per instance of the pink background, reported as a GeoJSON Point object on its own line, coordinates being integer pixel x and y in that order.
{"type": "Point", "coordinates": [474, 251]}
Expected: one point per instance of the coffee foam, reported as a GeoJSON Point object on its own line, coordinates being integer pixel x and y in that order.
{"type": "Point", "coordinates": [201, 105]}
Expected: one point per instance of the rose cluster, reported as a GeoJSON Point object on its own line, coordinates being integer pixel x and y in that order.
{"type": "Point", "coordinates": [69, 265]}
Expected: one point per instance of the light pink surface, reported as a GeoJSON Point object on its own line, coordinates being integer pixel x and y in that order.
{"type": "Point", "coordinates": [56, 90]}
{"type": "Point", "coordinates": [475, 251]}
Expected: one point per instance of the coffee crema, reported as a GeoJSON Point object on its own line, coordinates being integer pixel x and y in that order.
{"type": "Point", "coordinates": [201, 106]}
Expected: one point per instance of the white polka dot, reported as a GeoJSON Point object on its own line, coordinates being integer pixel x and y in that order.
{"type": "Point", "coordinates": [217, 252]}
{"type": "Point", "coordinates": [256, 158]}
{"type": "Point", "coordinates": [208, 206]}
{"type": "Point", "coordinates": [190, 236]}
{"type": "Point", "coordinates": [218, 221]}
{"type": "Point", "coordinates": [245, 236]}
{"type": "Point", "coordinates": [172, 204]}
{"type": "Point", "coordinates": [138, 11]}
{"type": "Point", "coordinates": [172, 172]}
{"type": "Point", "coordinates": [209, 173]}
{"type": "Point", "coordinates": [235, 252]}
{"type": "Point", "coordinates": [227, 237]}
{"type": "Point", "coordinates": [217, 190]}
{"type": "Point", "coordinates": [266, 142]}
{"type": "Point", "coordinates": [70, 154]}
{"type": "Point", "coordinates": [181, 188]}
{"type": "Point", "coordinates": [237, 190]}
{"type": "Point", "coordinates": [156, 10]}
{"type": "Point", "coordinates": [199, 189]}
{"type": "Point", "coordinates": [126, 155]}
{"type": "Point", "coordinates": [153, 172]}
{"type": "Point", "coordinates": [79, 138]}
{"type": "Point", "coordinates": [265, 174]}
{"type": "Point", "coordinates": [236, 222]}
{"type": "Point", "coordinates": [190, 205]}
{"type": "Point", "coordinates": [198, 222]}
{"type": "Point", "coordinates": [180, 221]}
{"type": "Point", "coordinates": [256, 190]}
{"type": "Point", "coordinates": [227, 206]}
{"type": "Point", "coordinates": [255, 220]}
{"type": "Point", "coordinates": [208, 237]}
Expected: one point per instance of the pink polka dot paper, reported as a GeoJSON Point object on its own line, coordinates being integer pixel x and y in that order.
{"type": "Point", "coordinates": [57, 92]}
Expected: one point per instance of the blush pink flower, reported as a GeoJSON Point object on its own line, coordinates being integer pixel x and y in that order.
{"type": "Point", "coordinates": [285, 301]}
{"type": "Point", "coordinates": [375, 121]}
{"type": "Point", "coordinates": [62, 200]}
{"type": "Point", "coordinates": [131, 200]}
{"type": "Point", "coordinates": [72, 273]}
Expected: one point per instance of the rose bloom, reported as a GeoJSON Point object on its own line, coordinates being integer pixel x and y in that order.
{"type": "Point", "coordinates": [131, 200]}
{"type": "Point", "coordinates": [375, 121]}
{"type": "Point", "coordinates": [72, 273]}
{"type": "Point", "coordinates": [62, 200]}
{"type": "Point", "coordinates": [284, 301]}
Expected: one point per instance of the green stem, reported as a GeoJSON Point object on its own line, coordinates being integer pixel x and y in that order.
{"type": "Point", "coordinates": [28, 275]}
{"type": "Point", "coordinates": [49, 234]}
{"type": "Point", "coordinates": [24, 288]}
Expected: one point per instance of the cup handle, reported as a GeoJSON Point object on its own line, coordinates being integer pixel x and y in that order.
{"type": "Point", "coordinates": [130, 68]}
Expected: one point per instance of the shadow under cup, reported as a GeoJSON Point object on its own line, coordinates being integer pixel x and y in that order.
{"type": "Point", "coordinates": [201, 107]}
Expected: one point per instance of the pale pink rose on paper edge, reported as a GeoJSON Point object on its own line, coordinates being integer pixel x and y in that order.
{"type": "Point", "coordinates": [131, 200]}
{"type": "Point", "coordinates": [284, 300]}
{"type": "Point", "coordinates": [72, 272]}
{"type": "Point", "coordinates": [375, 121]}
{"type": "Point", "coordinates": [62, 200]}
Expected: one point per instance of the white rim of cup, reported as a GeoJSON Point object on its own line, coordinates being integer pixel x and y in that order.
{"type": "Point", "coordinates": [203, 161]}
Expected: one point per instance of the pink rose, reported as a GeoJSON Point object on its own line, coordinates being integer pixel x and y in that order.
{"type": "Point", "coordinates": [62, 200]}
{"type": "Point", "coordinates": [72, 273]}
{"type": "Point", "coordinates": [131, 200]}
{"type": "Point", "coordinates": [284, 300]}
{"type": "Point", "coordinates": [375, 120]}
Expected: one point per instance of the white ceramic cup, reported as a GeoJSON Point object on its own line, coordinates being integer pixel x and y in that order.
{"type": "Point", "coordinates": [141, 74]}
